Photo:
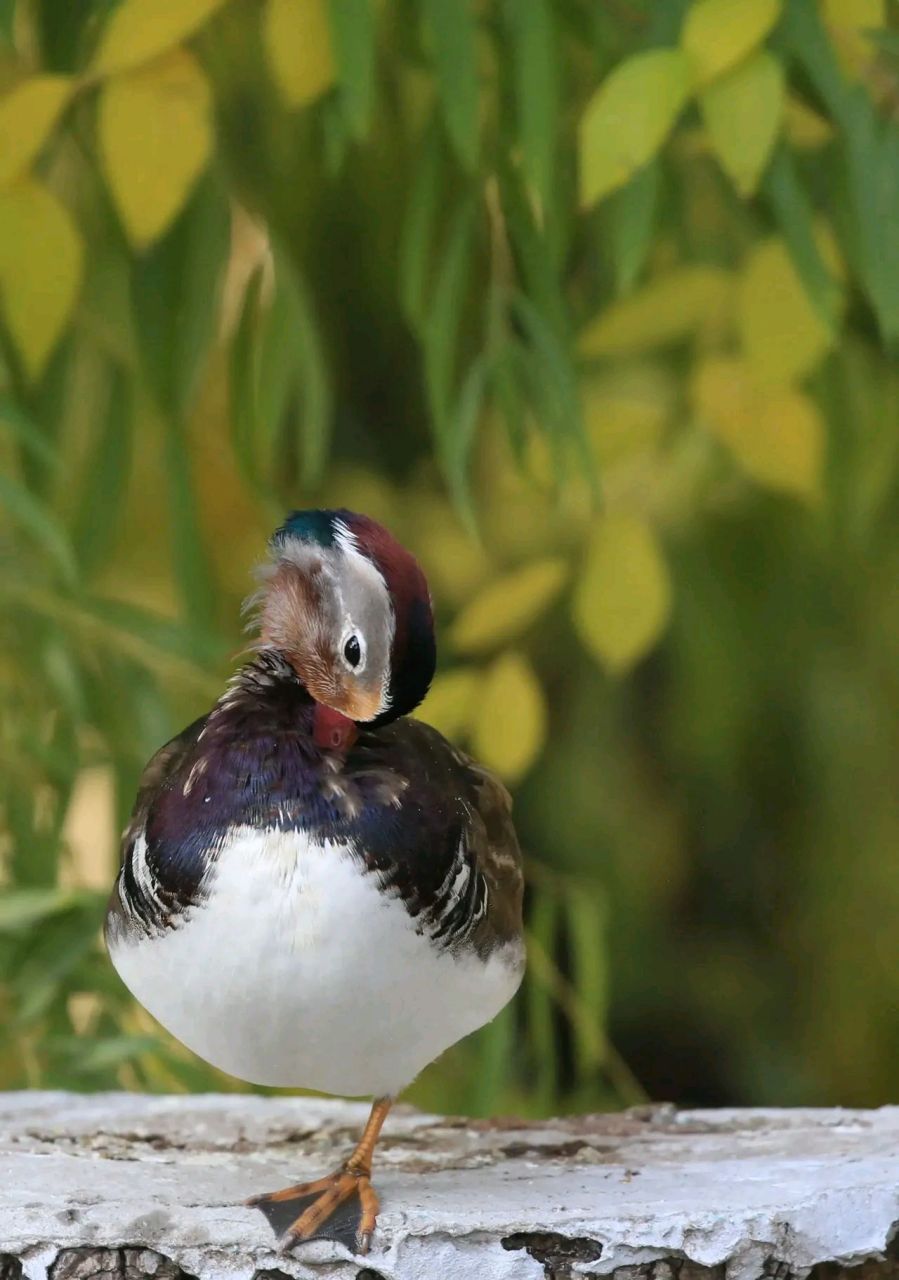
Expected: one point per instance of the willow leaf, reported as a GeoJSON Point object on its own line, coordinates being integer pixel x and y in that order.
{"type": "Point", "coordinates": [453, 33]}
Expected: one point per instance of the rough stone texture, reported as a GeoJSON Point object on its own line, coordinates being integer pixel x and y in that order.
{"type": "Point", "coordinates": [119, 1187]}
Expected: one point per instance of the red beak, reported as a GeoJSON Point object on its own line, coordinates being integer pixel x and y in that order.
{"type": "Point", "coordinates": [332, 730]}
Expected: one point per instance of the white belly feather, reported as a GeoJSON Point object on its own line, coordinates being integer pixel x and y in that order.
{"type": "Point", "coordinates": [297, 971]}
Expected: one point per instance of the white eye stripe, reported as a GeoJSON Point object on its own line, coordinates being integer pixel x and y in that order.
{"type": "Point", "coordinates": [348, 543]}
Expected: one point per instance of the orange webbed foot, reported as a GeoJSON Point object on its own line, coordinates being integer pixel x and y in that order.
{"type": "Point", "coordinates": [342, 1207]}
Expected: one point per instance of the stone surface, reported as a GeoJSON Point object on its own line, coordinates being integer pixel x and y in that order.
{"type": "Point", "coordinates": [121, 1187]}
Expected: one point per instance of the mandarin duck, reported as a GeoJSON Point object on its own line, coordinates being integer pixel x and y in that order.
{"type": "Point", "coordinates": [315, 890]}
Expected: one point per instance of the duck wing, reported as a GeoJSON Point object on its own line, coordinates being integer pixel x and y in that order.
{"type": "Point", "coordinates": [439, 835]}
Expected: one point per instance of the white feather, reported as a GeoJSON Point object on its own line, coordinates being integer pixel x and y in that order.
{"type": "Point", "coordinates": [297, 970]}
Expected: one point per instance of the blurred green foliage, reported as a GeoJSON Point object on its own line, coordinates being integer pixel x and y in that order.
{"type": "Point", "coordinates": [596, 305]}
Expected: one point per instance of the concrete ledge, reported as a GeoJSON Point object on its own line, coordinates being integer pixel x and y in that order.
{"type": "Point", "coordinates": [124, 1187]}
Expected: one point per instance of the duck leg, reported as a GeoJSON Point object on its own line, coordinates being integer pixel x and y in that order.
{"type": "Point", "coordinates": [342, 1206]}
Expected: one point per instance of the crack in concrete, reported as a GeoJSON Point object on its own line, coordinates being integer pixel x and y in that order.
{"type": "Point", "coordinates": [556, 1253]}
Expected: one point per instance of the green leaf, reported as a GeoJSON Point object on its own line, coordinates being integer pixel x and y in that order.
{"type": "Point", "coordinates": [585, 920]}
{"type": "Point", "coordinates": [353, 37]}
{"type": "Point", "coordinates": [103, 1054]}
{"type": "Point", "coordinates": [537, 263]}
{"type": "Point", "coordinates": [40, 524]}
{"type": "Point", "coordinates": [508, 381]}
{"type": "Point", "coordinates": [310, 372]}
{"type": "Point", "coordinates": [743, 112]}
{"type": "Point", "coordinates": [795, 216]}
{"type": "Point", "coordinates": [169, 650]}
{"type": "Point", "coordinates": [628, 119]}
{"type": "Point", "coordinates": [26, 431]}
{"type": "Point", "coordinates": [887, 252]}
{"type": "Point", "coordinates": [7, 19]}
{"type": "Point", "coordinates": [104, 489]}
{"type": "Point", "coordinates": [59, 949]}
{"type": "Point", "coordinates": [243, 375]}
{"type": "Point", "coordinates": [630, 220]}
{"type": "Point", "coordinates": [279, 380]}
{"type": "Point", "coordinates": [809, 42]}
{"type": "Point", "coordinates": [886, 41]}
{"type": "Point", "coordinates": [443, 321]}
{"type": "Point", "coordinates": [463, 429]}
{"type": "Point", "coordinates": [536, 73]}
{"type": "Point", "coordinates": [542, 931]}
{"type": "Point", "coordinates": [496, 1042]}
{"type": "Point", "coordinates": [453, 33]}
{"type": "Point", "coordinates": [273, 377]}
{"type": "Point", "coordinates": [191, 565]}
{"type": "Point", "coordinates": [24, 908]}
{"type": "Point", "coordinates": [419, 226]}
{"type": "Point", "coordinates": [556, 388]}
{"type": "Point", "coordinates": [866, 188]}
{"type": "Point", "coordinates": [175, 292]}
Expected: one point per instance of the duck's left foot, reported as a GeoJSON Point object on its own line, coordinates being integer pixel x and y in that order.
{"type": "Point", "coordinates": [341, 1207]}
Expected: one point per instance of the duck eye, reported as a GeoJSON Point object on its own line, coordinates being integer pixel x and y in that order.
{"type": "Point", "coordinates": [352, 652]}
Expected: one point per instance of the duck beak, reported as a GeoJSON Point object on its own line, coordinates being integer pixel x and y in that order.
{"type": "Point", "coordinates": [332, 730]}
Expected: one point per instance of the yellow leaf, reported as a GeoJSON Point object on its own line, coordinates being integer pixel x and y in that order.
{"type": "Point", "coordinates": [718, 34]}
{"type": "Point", "coordinates": [510, 727]}
{"type": "Point", "coordinates": [27, 115]}
{"type": "Point", "coordinates": [668, 309]}
{"type": "Point", "coordinates": [155, 139]}
{"type": "Point", "coordinates": [775, 433]}
{"type": "Point", "coordinates": [743, 112]}
{"type": "Point", "coordinates": [783, 335]}
{"type": "Point", "coordinates": [298, 46]}
{"type": "Point", "coordinates": [625, 412]}
{"type": "Point", "coordinates": [622, 602]}
{"type": "Point", "coordinates": [508, 606]}
{"type": "Point", "coordinates": [455, 563]}
{"type": "Point", "coordinates": [142, 29]}
{"type": "Point", "coordinates": [450, 703]}
{"type": "Point", "coordinates": [628, 119]}
{"type": "Point", "coordinates": [41, 257]}
{"type": "Point", "coordinates": [805, 128]}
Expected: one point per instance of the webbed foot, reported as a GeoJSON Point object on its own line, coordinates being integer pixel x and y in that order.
{"type": "Point", "coordinates": [341, 1207]}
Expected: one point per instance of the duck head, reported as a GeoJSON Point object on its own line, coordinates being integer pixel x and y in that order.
{"type": "Point", "coordinates": [350, 610]}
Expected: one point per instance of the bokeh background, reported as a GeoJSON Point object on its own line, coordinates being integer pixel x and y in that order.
{"type": "Point", "coordinates": [597, 306]}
